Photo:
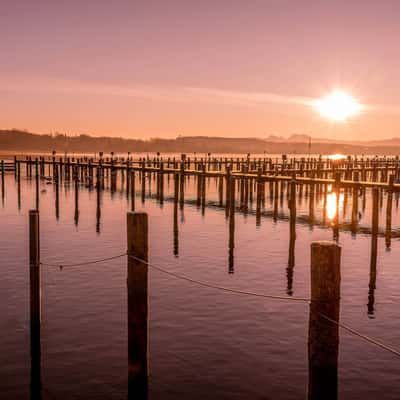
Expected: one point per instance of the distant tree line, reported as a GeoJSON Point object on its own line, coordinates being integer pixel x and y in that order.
{"type": "Point", "coordinates": [17, 140]}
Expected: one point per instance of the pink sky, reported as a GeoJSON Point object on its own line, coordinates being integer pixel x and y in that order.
{"type": "Point", "coordinates": [221, 68]}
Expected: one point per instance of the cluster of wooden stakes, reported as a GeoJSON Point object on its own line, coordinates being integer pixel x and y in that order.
{"type": "Point", "coordinates": [240, 178]}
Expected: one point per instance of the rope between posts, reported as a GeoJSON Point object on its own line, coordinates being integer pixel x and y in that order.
{"type": "Point", "coordinates": [343, 326]}
{"type": "Point", "coordinates": [234, 291]}
{"type": "Point", "coordinates": [209, 285]}
{"type": "Point", "coordinates": [362, 336]}
{"type": "Point", "coordinates": [84, 263]}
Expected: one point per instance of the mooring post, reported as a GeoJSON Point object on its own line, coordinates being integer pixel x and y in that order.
{"type": "Point", "coordinates": [76, 215]}
{"type": "Point", "coordinates": [35, 301]}
{"type": "Point", "coordinates": [176, 193]}
{"type": "Point", "coordinates": [292, 239]}
{"type": "Point", "coordinates": [133, 190]}
{"type": "Point", "coordinates": [2, 182]}
{"type": "Point", "coordinates": [388, 232]}
{"type": "Point", "coordinates": [323, 339]}
{"type": "Point", "coordinates": [232, 204]}
{"type": "Point", "coordinates": [374, 252]}
{"type": "Point", "coordinates": [137, 235]}
{"type": "Point", "coordinates": [182, 186]}
{"type": "Point", "coordinates": [19, 184]}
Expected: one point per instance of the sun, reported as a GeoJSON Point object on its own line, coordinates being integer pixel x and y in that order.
{"type": "Point", "coordinates": [338, 106]}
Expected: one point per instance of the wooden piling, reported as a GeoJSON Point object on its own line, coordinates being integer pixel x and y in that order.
{"type": "Point", "coordinates": [323, 340]}
{"type": "Point", "coordinates": [374, 252]}
{"type": "Point", "coordinates": [292, 238]}
{"type": "Point", "coordinates": [76, 214]}
{"type": "Point", "coordinates": [232, 204]}
{"type": "Point", "coordinates": [137, 239]}
{"type": "Point", "coordinates": [176, 234]}
{"type": "Point", "coordinates": [133, 190]}
{"type": "Point", "coordinates": [35, 301]}
{"type": "Point", "coordinates": [388, 231]}
{"type": "Point", "coordinates": [2, 182]}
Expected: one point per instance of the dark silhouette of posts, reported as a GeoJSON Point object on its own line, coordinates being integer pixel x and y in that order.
{"type": "Point", "coordinates": [137, 232]}
{"type": "Point", "coordinates": [182, 186]}
{"type": "Point", "coordinates": [37, 183]}
{"type": "Point", "coordinates": [323, 339]}
{"type": "Point", "coordinates": [231, 224]}
{"type": "Point", "coordinates": [176, 233]}
{"type": "Point", "coordinates": [19, 184]}
{"type": "Point", "coordinates": [374, 252]}
{"type": "Point", "coordinates": [292, 240]}
{"type": "Point", "coordinates": [35, 302]}
{"type": "Point", "coordinates": [76, 215]}
{"type": "Point", "coordinates": [388, 232]}
{"type": "Point", "coordinates": [258, 197]}
{"type": "Point", "coordinates": [133, 190]}
{"type": "Point", "coordinates": [2, 183]}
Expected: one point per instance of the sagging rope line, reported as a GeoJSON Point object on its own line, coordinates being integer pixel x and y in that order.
{"type": "Point", "coordinates": [209, 285]}
{"type": "Point", "coordinates": [61, 266]}
{"type": "Point", "coordinates": [362, 336]}
{"type": "Point", "coordinates": [341, 325]}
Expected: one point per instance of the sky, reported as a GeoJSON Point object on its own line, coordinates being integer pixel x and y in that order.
{"type": "Point", "coordinates": [164, 68]}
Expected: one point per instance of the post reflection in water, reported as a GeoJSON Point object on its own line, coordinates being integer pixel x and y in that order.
{"type": "Point", "coordinates": [76, 214]}
{"type": "Point", "coordinates": [176, 233]}
{"type": "Point", "coordinates": [292, 239]}
{"type": "Point", "coordinates": [333, 201]}
{"type": "Point", "coordinates": [232, 226]}
{"type": "Point", "coordinates": [374, 250]}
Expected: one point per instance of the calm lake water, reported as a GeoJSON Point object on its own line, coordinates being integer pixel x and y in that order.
{"type": "Point", "coordinates": [204, 343]}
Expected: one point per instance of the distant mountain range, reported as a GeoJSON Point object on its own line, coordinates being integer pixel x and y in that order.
{"type": "Point", "coordinates": [21, 141]}
{"type": "Point", "coordinates": [299, 138]}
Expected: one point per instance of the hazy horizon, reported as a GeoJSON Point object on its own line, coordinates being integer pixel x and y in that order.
{"type": "Point", "coordinates": [147, 69]}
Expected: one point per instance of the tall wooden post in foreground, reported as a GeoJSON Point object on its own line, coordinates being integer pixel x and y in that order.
{"type": "Point", "coordinates": [137, 231]}
{"type": "Point", "coordinates": [35, 302]}
{"type": "Point", "coordinates": [323, 339]}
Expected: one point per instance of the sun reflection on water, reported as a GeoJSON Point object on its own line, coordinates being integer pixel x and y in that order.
{"type": "Point", "coordinates": [331, 204]}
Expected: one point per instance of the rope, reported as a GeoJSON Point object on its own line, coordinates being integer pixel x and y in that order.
{"type": "Point", "coordinates": [234, 291]}
{"type": "Point", "coordinates": [209, 285]}
{"type": "Point", "coordinates": [61, 266]}
{"type": "Point", "coordinates": [343, 326]}
{"type": "Point", "coordinates": [362, 336]}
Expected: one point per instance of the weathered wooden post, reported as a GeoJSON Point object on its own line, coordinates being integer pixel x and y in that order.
{"type": "Point", "coordinates": [76, 215]}
{"type": "Point", "coordinates": [182, 186]}
{"type": "Point", "coordinates": [323, 339]}
{"type": "Point", "coordinates": [388, 232]}
{"type": "Point", "coordinates": [98, 203]}
{"type": "Point", "coordinates": [232, 205]}
{"type": "Point", "coordinates": [374, 251]}
{"type": "Point", "coordinates": [176, 233]}
{"type": "Point", "coordinates": [57, 201]}
{"type": "Point", "coordinates": [37, 183]}
{"type": "Point", "coordinates": [227, 189]}
{"type": "Point", "coordinates": [203, 190]}
{"type": "Point", "coordinates": [292, 239]}
{"type": "Point", "coordinates": [258, 197]}
{"type": "Point", "coordinates": [221, 190]}
{"type": "Point", "coordinates": [35, 301]}
{"type": "Point", "coordinates": [2, 182]}
{"type": "Point", "coordinates": [133, 190]}
{"type": "Point", "coordinates": [19, 184]}
{"type": "Point", "coordinates": [137, 239]}
{"type": "Point", "coordinates": [276, 196]}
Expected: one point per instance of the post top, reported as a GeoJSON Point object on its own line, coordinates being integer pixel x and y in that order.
{"type": "Point", "coordinates": [33, 212]}
{"type": "Point", "coordinates": [324, 243]}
